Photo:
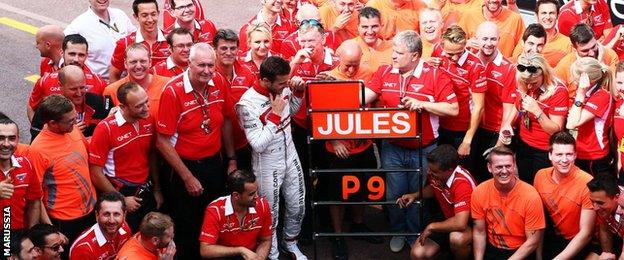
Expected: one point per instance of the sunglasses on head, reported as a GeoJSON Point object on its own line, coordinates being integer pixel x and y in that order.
{"type": "Point", "coordinates": [313, 22]}
{"type": "Point", "coordinates": [530, 69]}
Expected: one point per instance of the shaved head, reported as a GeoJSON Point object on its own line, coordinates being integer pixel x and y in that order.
{"type": "Point", "coordinates": [350, 55]}
{"type": "Point", "coordinates": [487, 28]}
{"type": "Point", "coordinates": [487, 35]}
{"type": "Point", "coordinates": [308, 11]}
{"type": "Point", "coordinates": [70, 73]}
{"type": "Point", "coordinates": [49, 40]}
{"type": "Point", "coordinates": [51, 32]}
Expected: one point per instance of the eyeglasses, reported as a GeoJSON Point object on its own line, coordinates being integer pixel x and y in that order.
{"type": "Point", "coordinates": [530, 69]}
{"type": "Point", "coordinates": [312, 22]}
{"type": "Point", "coordinates": [187, 7]}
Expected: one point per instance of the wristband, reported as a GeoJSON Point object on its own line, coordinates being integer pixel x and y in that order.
{"type": "Point", "coordinates": [538, 116]}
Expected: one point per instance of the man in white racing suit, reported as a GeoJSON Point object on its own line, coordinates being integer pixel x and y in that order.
{"type": "Point", "coordinates": [264, 113]}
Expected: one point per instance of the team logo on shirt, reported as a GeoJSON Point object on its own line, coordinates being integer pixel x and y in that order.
{"type": "Point", "coordinates": [416, 87]}
{"type": "Point", "coordinates": [148, 128]}
{"type": "Point", "coordinates": [461, 72]}
{"type": "Point", "coordinates": [20, 177]}
{"type": "Point", "coordinates": [215, 93]}
{"type": "Point", "coordinates": [389, 85]}
{"type": "Point", "coordinates": [282, 34]}
{"type": "Point", "coordinates": [496, 74]}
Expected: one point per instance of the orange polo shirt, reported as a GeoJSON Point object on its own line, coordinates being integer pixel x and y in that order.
{"type": "Point", "coordinates": [395, 20]}
{"type": "Point", "coordinates": [555, 49]}
{"type": "Point", "coordinates": [565, 200]}
{"type": "Point", "coordinates": [154, 90]}
{"type": "Point", "coordinates": [562, 71]}
{"type": "Point", "coordinates": [509, 23]}
{"type": "Point", "coordinates": [452, 12]}
{"type": "Point", "coordinates": [373, 57]}
{"type": "Point", "coordinates": [133, 249]}
{"type": "Point", "coordinates": [508, 217]}
{"type": "Point", "coordinates": [328, 14]}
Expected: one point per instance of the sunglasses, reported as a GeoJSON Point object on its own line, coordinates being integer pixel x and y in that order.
{"type": "Point", "coordinates": [312, 22]}
{"type": "Point", "coordinates": [530, 69]}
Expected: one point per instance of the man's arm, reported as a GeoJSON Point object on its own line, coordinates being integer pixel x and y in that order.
{"type": "Point", "coordinates": [258, 134]}
{"type": "Point", "coordinates": [217, 251]}
{"type": "Point", "coordinates": [479, 238]}
{"type": "Point", "coordinates": [99, 180]}
{"type": "Point", "coordinates": [193, 186]}
{"type": "Point", "coordinates": [264, 246]}
{"type": "Point", "coordinates": [534, 238]}
{"type": "Point", "coordinates": [442, 108]}
{"type": "Point", "coordinates": [228, 144]}
{"type": "Point", "coordinates": [155, 176]}
{"type": "Point", "coordinates": [586, 224]}
{"type": "Point", "coordinates": [459, 222]}
{"type": "Point", "coordinates": [478, 100]}
{"type": "Point", "coordinates": [606, 238]}
{"type": "Point", "coordinates": [32, 212]}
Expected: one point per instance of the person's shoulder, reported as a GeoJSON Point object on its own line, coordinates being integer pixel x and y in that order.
{"type": "Point", "coordinates": [542, 175]}
{"type": "Point", "coordinates": [117, 13]}
{"type": "Point", "coordinates": [526, 190]}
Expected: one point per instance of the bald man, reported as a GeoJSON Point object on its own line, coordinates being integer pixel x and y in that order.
{"type": "Point", "coordinates": [306, 12]}
{"type": "Point", "coordinates": [350, 55]}
{"type": "Point", "coordinates": [500, 74]}
{"type": "Point", "coordinates": [90, 108]}
{"type": "Point", "coordinates": [49, 41]}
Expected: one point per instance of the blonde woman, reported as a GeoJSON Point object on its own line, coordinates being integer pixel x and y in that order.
{"type": "Point", "coordinates": [259, 40]}
{"type": "Point", "coordinates": [541, 105]}
{"type": "Point", "coordinates": [591, 114]}
{"type": "Point", "coordinates": [618, 117]}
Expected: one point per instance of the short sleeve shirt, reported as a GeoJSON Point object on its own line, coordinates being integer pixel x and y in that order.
{"type": "Point", "coordinates": [167, 68]}
{"type": "Point", "coordinates": [565, 200]}
{"type": "Point", "coordinates": [454, 195]}
{"type": "Point", "coordinates": [222, 227]}
{"type": "Point", "coordinates": [593, 137]}
{"type": "Point", "coordinates": [92, 244]}
{"type": "Point", "coordinates": [49, 84]}
{"type": "Point", "coordinates": [555, 104]}
{"type": "Point", "coordinates": [501, 84]}
{"type": "Point", "coordinates": [618, 127]}
{"type": "Point", "coordinates": [507, 218]}
{"type": "Point", "coordinates": [26, 188]}
{"type": "Point", "coordinates": [397, 19]}
{"type": "Point", "coordinates": [242, 80]}
{"type": "Point", "coordinates": [570, 14]}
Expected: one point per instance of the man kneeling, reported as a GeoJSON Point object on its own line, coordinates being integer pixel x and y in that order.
{"type": "Point", "coordinates": [452, 187]}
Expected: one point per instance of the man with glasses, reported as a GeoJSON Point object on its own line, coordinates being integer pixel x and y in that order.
{"type": "Point", "coordinates": [238, 224]}
{"type": "Point", "coordinates": [49, 242]}
{"type": "Point", "coordinates": [193, 125]}
{"type": "Point", "coordinates": [102, 26]}
{"type": "Point", "coordinates": [22, 247]}
{"type": "Point", "coordinates": [290, 45]}
{"type": "Point", "coordinates": [90, 108]}
{"type": "Point", "coordinates": [59, 156]}
{"type": "Point", "coordinates": [169, 15]}
{"type": "Point", "coordinates": [184, 11]}
{"type": "Point", "coordinates": [271, 15]}
{"type": "Point", "coordinates": [137, 63]}
{"type": "Point", "coordinates": [146, 13]}
{"type": "Point", "coordinates": [180, 41]}
{"type": "Point", "coordinates": [238, 80]}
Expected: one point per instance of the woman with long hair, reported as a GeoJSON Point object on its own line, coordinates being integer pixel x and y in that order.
{"type": "Point", "coordinates": [591, 114]}
{"type": "Point", "coordinates": [540, 109]}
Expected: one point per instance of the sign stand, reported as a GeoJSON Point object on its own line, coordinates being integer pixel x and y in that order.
{"type": "Point", "coordinates": [328, 104]}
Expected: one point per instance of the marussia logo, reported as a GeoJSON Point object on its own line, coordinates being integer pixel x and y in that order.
{"type": "Point", "coordinates": [496, 74]}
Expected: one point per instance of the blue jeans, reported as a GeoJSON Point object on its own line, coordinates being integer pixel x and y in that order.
{"type": "Point", "coordinates": [399, 183]}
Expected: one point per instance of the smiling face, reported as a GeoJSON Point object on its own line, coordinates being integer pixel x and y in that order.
{"type": "Point", "coordinates": [184, 10]}
{"type": "Point", "coordinates": [260, 44]}
{"type": "Point", "coordinates": [534, 44]}
{"type": "Point", "coordinates": [562, 157]}
{"type": "Point", "coordinates": [8, 140]}
{"type": "Point", "coordinates": [589, 49]}
{"type": "Point", "coordinates": [368, 29]}
{"type": "Point", "coordinates": [487, 35]}
{"type": "Point", "coordinates": [99, 6]}
{"type": "Point", "coordinates": [110, 217]}
{"type": "Point", "coordinates": [547, 15]}
{"type": "Point", "coordinates": [493, 6]}
{"type": "Point", "coordinates": [430, 25]}
{"type": "Point", "coordinates": [503, 169]}
{"type": "Point", "coordinates": [147, 16]}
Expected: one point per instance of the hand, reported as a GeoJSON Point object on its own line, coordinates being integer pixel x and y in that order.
{"type": "Point", "coordinates": [342, 20]}
{"type": "Point", "coordinates": [277, 103]}
{"type": "Point", "coordinates": [168, 252]}
{"type": "Point", "coordinates": [607, 256]}
{"type": "Point", "coordinates": [296, 83]}
{"type": "Point", "coordinates": [358, 6]}
{"type": "Point", "coordinates": [324, 75]}
{"type": "Point", "coordinates": [406, 200]}
{"type": "Point", "coordinates": [473, 43]}
{"type": "Point", "coordinates": [132, 203]}
{"type": "Point", "coordinates": [413, 104]}
{"type": "Point", "coordinates": [248, 254]}
{"type": "Point", "coordinates": [583, 84]}
{"type": "Point", "coordinates": [302, 55]}
{"type": "Point", "coordinates": [232, 166]}
{"type": "Point", "coordinates": [113, 110]}
{"type": "Point", "coordinates": [506, 132]}
{"type": "Point", "coordinates": [340, 149]}
{"type": "Point", "coordinates": [193, 186]}
{"type": "Point", "coordinates": [158, 197]}
{"type": "Point", "coordinates": [435, 61]}
{"type": "Point", "coordinates": [6, 188]}
{"type": "Point", "coordinates": [464, 149]}
{"type": "Point", "coordinates": [529, 104]}
{"type": "Point", "coordinates": [81, 125]}
{"type": "Point", "coordinates": [424, 235]}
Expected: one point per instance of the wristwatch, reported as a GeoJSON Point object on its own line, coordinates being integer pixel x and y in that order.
{"type": "Point", "coordinates": [578, 103]}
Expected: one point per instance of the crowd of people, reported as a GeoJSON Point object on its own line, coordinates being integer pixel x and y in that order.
{"type": "Point", "coordinates": [180, 141]}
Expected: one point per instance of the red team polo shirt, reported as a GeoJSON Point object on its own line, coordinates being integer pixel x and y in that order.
{"type": "Point", "coordinates": [593, 136]}
{"type": "Point", "coordinates": [180, 115]}
{"type": "Point", "coordinates": [308, 71]}
{"type": "Point", "coordinates": [454, 195]}
{"type": "Point", "coordinates": [290, 45]}
{"type": "Point", "coordinates": [618, 127]}
{"type": "Point", "coordinates": [571, 14]}
{"type": "Point", "coordinates": [556, 104]}
{"type": "Point", "coordinates": [242, 80]}
{"type": "Point", "coordinates": [26, 187]}
{"type": "Point", "coordinates": [114, 139]}
{"type": "Point", "coordinates": [467, 76]}
{"type": "Point", "coordinates": [618, 47]}
{"type": "Point", "coordinates": [204, 31]}
{"type": "Point", "coordinates": [167, 68]}
{"type": "Point", "coordinates": [159, 51]}
{"type": "Point", "coordinates": [222, 227]}
{"type": "Point", "coordinates": [426, 84]}
{"type": "Point", "coordinates": [49, 84]}
{"type": "Point", "coordinates": [92, 244]}
{"type": "Point", "coordinates": [501, 84]}
{"type": "Point", "coordinates": [280, 30]}
{"type": "Point", "coordinates": [245, 59]}
{"type": "Point", "coordinates": [46, 66]}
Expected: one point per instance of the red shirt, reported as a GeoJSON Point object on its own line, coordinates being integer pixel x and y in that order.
{"type": "Point", "coordinates": [468, 77]}
{"type": "Point", "coordinates": [245, 59]}
{"type": "Point", "coordinates": [114, 139]}
{"type": "Point", "coordinates": [159, 51]}
{"type": "Point", "coordinates": [571, 14]}
{"type": "Point", "coordinates": [167, 68]}
{"type": "Point", "coordinates": [280, 30]}
{"type": "Point", "coordinates": [49, 84]}
{"type": "Point", "coordinates": [290, 45]}
{"type": "Point", "coordinates": [92, 245]}
{"type": "Point", "coordinates": [501, 84]}
{"type": "Point", "coordinates": [592, 141]}
{"type": "Point", "coordinates": [618, 47]}
{"type": "Point", "coordinates": [169, 18]}
{"type": "Point", "coordinates": [203, 31]}
{"type": "Point", "coordinates": [426, 84]}
{"type": "Point", "coordinates": [26, 187]}
{"type": "Point", "coordinates": [618, 127]}
{"type": "Point", "coordinates": [556, 104]}
{"type": "Point", "coordinates": [242, 80]}
{"type": "Point", "coordinates": [47, 66]}
{"type": "Point", "coordinates": [454, 195]}
{"type": "Point", "coordinates": [222, 227]}
{"type": "Point", "coordinates": [308, 71]}
{"type": "Point", "coordinates": [181, 114]}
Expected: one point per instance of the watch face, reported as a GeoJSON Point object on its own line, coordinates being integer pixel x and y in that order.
{"type": "Point", "coordinates": [578, 103]}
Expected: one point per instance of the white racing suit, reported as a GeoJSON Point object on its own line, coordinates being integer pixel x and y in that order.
{"type": "Point", "coordinates": [274, 159]}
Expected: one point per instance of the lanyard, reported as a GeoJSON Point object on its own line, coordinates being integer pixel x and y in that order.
{"type": "Point", "coordinates": [114, 27]}
{"type": "Point", "coordinates": [203, 104]}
